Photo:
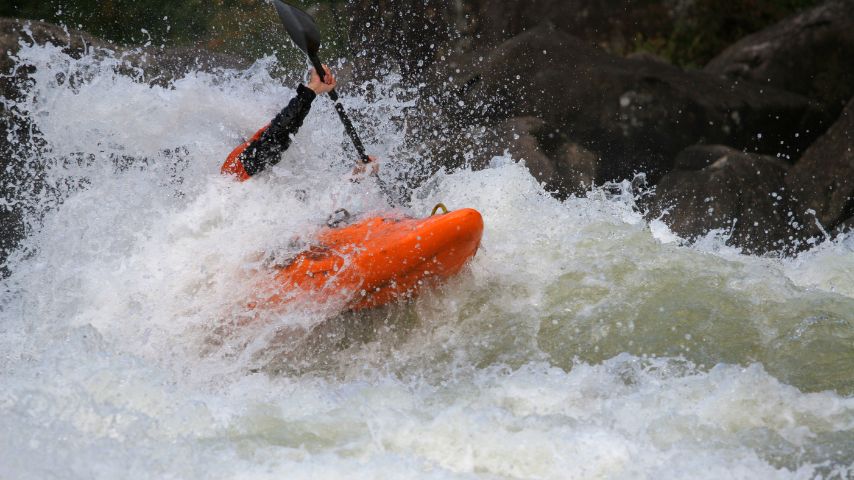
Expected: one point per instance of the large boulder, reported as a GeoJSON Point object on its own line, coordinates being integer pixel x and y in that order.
{"type": "Point", "coordinates": [810, 53]}
{"type": "Point", "coordinates": [408, 35]}
{"type": "Point", "coordinates": [611, 24]}
{"type": "Point", "coordinates": [823, 179]}
{"type": "Point", "coordinates": [525, 146]}
{"type": "Point", "coordinates": [634, 114]}
{"type": "Point", "coordinates": [161, 65]}
{"type": "Point", "coordinates": [740, 194]}
{"type": "Point", "coordinates": [405, 35]}
{"type": "Point", "coordinates": [569, 170]}
{"type": "Point", "coordinates": [17, 142]}
{"type": "Point", "coordinates": [698, 157]}
{"type": "Point", "coordinates": [155, 63]}
{"type": "Point", "coordinates": [15, 32]}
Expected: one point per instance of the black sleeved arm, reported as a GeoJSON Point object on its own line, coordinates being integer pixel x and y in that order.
{"type": "Point", "coordinates": [266, 151]}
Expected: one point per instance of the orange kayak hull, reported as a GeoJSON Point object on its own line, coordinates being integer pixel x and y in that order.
{"type": "Point", "coordinates": [379, 260]}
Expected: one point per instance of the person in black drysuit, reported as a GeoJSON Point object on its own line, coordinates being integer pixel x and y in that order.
{"type": "Point", "coordinates": [265, 148]}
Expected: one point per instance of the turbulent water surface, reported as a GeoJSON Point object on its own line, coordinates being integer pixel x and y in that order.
{"type": "Point", "coordinates": [582, 342]}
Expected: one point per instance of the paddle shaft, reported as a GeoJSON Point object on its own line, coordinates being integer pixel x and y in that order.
{"type": "Point", "coordinates": [348, 125]}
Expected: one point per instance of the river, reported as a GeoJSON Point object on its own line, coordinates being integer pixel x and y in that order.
{"type": "Point", "coordinates": [582, 342]}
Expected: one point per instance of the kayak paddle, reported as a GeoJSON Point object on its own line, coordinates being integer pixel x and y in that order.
{"type": "Point", "coordinates": [306, 36]}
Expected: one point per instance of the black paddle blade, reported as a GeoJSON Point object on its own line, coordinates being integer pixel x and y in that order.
{"type": "Point", "coordinates": [300, 26]}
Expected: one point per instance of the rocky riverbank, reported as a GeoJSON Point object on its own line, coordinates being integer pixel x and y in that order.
{"type": "Point", "coordinates": [757, 143]}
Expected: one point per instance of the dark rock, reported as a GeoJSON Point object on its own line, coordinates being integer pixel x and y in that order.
{"type": "Point", "coordinates": [163, 65]}
{"type": "Point", "coordinates": [524, 146]}
{"type": "Point", "coordinates": [741, 194]}
{"type": "Point", "coordinates": [635, 114]}
{"type": "Point", "coordinates": [810, 53]}
{"type": "Point", "coordinates": [698, 157]}
{"type": "Point", "coordinates": [519, 137]}
{"type": "Point", "coordinates": [612, 24]}
{"type": "Point", "coordinates": [11, 224]}
{"type": "Point", "coordinates": [17, 142]}
{"type": "Point", "coordinates": [646, 57]}
{"type": "Point", "coordinates": [160, 64]}
{"type": "Point", "coordinates": [846, 227]}
{"type": "Point", "coordinates": [13, 32]}
{"type": "Point", "coordinates": [576, 167]}
{"type": "Point", "coordinates": [401, 34]}
{"type": "Point", "coordinates": [823, 179]}
{"type": "Point", "coordinates": [570, 169]}
{"type": "Point", "coordinates": [409, 35]}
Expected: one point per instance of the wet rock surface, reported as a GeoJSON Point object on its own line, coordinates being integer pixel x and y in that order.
{"type": "Point", "coordinates": [823, 179]}
{"type": "Point", "coordinates": [717, 140]}
{"type": "Point", "coordinates": [402, 34]}
{"type": "Point", "coordinates": [698, 157]}
{"type": "Point", "coordinates": [612, 23]}
{"type": "Point", "coordinates": [846, 227]}
{"type": "Point", "coordinates": [13, 32]}
{"type": "Point", "coordinates": [412, 34]}
{"type": "Point", "coordinates": [564, 169]}
{"type": "Point", "coordinates": [808, 53]}
{"type": "Point", "coordinates": [741, 195]}
{"type": "Point", "coordinates": [634, 114]}
{"type": "Point", "coordinates": [16, 140]}
{"type": "Point", "coordinates": [525, 146]}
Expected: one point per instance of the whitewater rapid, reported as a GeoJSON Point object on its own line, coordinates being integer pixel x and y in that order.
{"type": "Point", "coordinates": [582, 341]}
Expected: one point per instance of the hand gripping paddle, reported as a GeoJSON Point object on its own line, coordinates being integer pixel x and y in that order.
{"type": "Point", "coordinates": [303, 31]}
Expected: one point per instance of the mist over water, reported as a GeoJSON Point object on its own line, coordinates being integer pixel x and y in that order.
{"type": "Point", "coordinates": [582, 341]}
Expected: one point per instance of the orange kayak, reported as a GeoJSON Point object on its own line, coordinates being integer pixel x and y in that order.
{"type": "Point", "coordinates": [379, 259]}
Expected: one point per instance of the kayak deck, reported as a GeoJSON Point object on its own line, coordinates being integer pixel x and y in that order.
{"type": "Point", "coordinates": [379, 259]}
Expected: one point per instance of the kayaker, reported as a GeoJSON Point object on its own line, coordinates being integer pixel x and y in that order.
{"type": "Point", "coordinates": [265, 148]}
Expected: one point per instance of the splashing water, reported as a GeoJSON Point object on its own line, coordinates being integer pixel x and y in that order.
{"type": "Point", "coordinates": [582, 342]}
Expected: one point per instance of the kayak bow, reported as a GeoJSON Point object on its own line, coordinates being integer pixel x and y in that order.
{"type": "Point", "coordinates": [378, 260]}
